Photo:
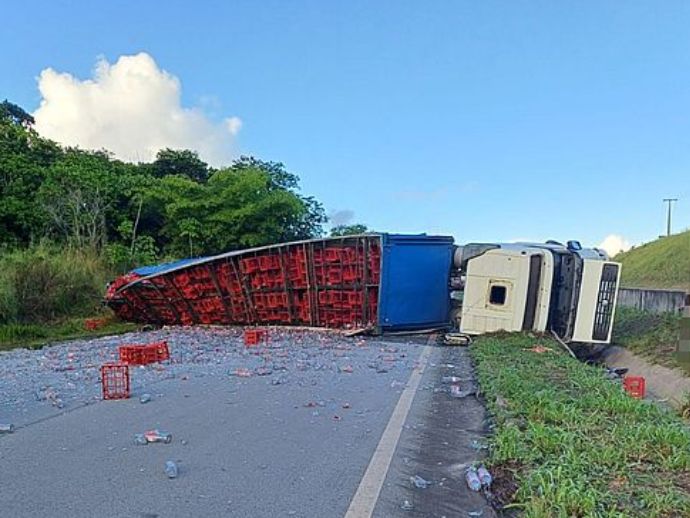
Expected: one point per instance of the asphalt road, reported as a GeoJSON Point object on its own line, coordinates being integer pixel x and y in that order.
{"type": "Point", "coordinates": [296, 442]}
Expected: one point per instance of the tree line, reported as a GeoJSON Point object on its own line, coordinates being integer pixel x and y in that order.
{"type": "Point", "coordinates": [175, 206]}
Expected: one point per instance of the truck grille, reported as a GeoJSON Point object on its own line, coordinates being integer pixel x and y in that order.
{"type": "Point", "coordinates": [605, 302]}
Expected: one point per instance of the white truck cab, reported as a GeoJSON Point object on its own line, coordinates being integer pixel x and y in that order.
{"type": "Point", "coordinates": [538, 287]}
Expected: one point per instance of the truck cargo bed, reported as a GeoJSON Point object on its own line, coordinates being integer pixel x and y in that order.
{"type": "Point", "coordinates": [377, 281]}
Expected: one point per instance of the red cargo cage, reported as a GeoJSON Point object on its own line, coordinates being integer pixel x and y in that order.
{"type": "Point", "coordinates": [635, 386]}
{"type": "Point", "coordinates": [144, 354]}
{"type": "Point", "coordinates": [115, 381]}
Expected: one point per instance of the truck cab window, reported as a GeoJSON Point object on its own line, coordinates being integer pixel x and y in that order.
{"type": "Point", "coordinates": [497, 295]}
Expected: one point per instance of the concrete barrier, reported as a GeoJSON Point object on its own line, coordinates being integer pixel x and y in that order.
{"type": "Point", "coordinates": [655, 301]}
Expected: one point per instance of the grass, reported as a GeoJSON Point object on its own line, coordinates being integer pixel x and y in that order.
{"type": "Point", "coordinates": [36, 336]}
{"type": "Point", "coordinates": [653, 336]}
{"type": "Point", "coordinates": [663, 263]}
{"type": "Point", "coordinates": [47, 293]}
{"type": "Point", "coordinates": [568, 442]}
{"type": "Point", "coordinates": [45, 283]}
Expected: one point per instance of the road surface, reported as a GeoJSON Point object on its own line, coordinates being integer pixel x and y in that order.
{"type": "Point", "coordinates": [332, 427]}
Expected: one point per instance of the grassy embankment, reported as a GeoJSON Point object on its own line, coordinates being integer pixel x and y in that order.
{"type": "Point", "coordinates": [46, 294]}
{"type": "Point", "coordinates": [662, 263]}
{"type": "Point", "coordinates": [650, 335]}
{"type": "Point", "coordinates": [569, 442]}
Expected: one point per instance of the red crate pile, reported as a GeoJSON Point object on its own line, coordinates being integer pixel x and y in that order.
{"type": "Point", "coordinates": [115, 380]}
{"type": "Point", "coordinates": [331, 283]}
{"type": "Point", "coordinates": [144, 354]}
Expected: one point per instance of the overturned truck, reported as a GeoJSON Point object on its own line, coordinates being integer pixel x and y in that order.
{"type": "Point", "coordinates": [382, 282]}
{"type": "Point", "coordinates": [566, 289]}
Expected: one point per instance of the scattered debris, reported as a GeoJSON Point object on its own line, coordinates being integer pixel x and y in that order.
{"type": "Point", "coordinates": [476, 445]}
{"type": "Point", "coordinates": [457, 339]}
{"type": "Point", "coordinates": [484, 476]}
{"type": "Point", "coordinates": [419, 482]}
{"type": "Point", "coordinates": [615, 374]}
{"type": "Point", "coordinates": [263, 371]}
{"type": "Point", "coordinates": [539, 349]}
{"type": "Point", "coordinates": [242, 373]}
{"type": "Point", "coordinates": [171, 469]}
{"type": "Point", "coordinates": [457, 392]}
{"type": "Point", "coordinates": [472, 479]}
{"type": "Point", "coordinates": [68, 375]}
{"type": "Point", "coordinates": [158, 436]}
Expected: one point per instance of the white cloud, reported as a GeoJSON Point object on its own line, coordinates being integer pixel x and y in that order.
{"type": "Point", "coordinates": [131, 108]}
{"type": "Point", "coordinates": [613, 243]}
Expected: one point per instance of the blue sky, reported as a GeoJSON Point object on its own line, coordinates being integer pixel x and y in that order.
{"type": "Point", "coordinates": [484, 120]}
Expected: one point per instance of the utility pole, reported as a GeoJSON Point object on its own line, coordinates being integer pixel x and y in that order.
{"type": "Point", "coordinates": [668, 219]}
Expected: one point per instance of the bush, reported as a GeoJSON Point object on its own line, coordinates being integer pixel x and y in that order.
{"type": "Point", "coordinates": [43, 283]}
{"type": "Point", "coordinates": [121, 258]}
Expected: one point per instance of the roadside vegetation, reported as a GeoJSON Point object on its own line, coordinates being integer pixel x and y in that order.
{"type": "Point", "coordinates": [71, 220]}
{"type": "Point", "coordinates": [662, 263]}
{"type": "Point", "coordinates": [569, 442]}
{"type": "Point", "coordinates": [651, 335]}
{"type": "Point", "coordinates": [35, 336]}
{"type": "Point", "coordinates": [48, 293]}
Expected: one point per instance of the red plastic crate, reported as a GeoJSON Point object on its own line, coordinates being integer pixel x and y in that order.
{"type": "Point", "coordinates": [635, 386]}
{"type": "Point", "coordinates": [249, 264]}
{"type": "Point", "coordinates": [144, 354]}
{"type": "Point", "coordinates": [269, 262]}
{"type": "Point", "coordinates": [91, 324]}
{"type": "Point", "coordinates": [115, 380]}
{"type": "Point", "coordinates": [161, 350]}
{"type": "Point", "coordinates": [255, 336]}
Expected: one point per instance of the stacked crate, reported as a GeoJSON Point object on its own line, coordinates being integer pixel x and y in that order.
{"type": "Point", "coordinates": [332, 283]}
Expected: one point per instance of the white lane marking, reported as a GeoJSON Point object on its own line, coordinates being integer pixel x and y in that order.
{"type": "Point", "coordinates": [364, 501]}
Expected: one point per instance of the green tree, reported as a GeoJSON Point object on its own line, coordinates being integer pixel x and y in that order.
{"type": "Point", "coordinates": [180, 162]}
{"type": "Point", "coordinates": [348, 230]}
{"type": "Point", "coordinates": [15, 114]}
{"type": "Point", "coordinates": [24, 161]}
{"type": "Point", "coordinates": [176, 204]}
{"type": "Point", "coordinates": [310, 221]}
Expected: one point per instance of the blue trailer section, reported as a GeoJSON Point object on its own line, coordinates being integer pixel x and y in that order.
{"type": "Point", "coordinates": [415, 278]}
{"type": "Point", "coordinates": [164, 267]}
